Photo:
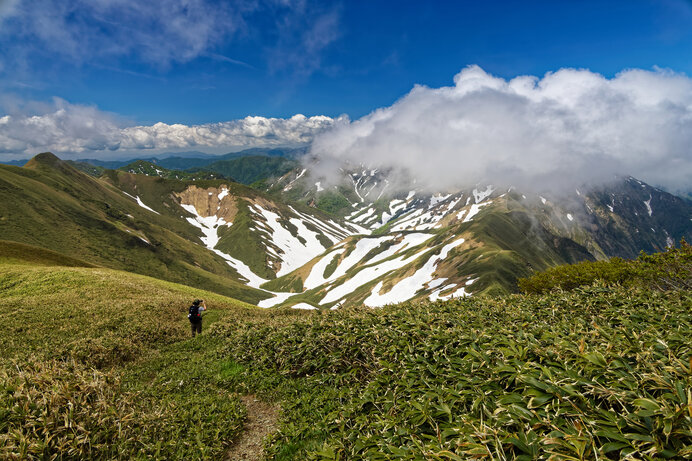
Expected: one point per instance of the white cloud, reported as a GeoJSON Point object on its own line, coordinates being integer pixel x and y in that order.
{"type": "Point", "coordinates": [246, 132]}
{"type": "Point", "coordinates": [159, 32]}
{"type": "Point", "coordinates": [37, 34]}
{"type": "Point", "coordinates": [70, 128]}
{"type": "Point", "coordinates": [568, 127]}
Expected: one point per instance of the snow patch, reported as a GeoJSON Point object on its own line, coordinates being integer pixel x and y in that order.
{"type": "Point", "coordinates": [437, 198]}
{"type": "Point", "coordinates": [407, 288]}
{"type": "Point", "coordinates": [277, 299]}
{"type": "Point", "coordinates": [648, 205]}
{"type": "Point", "coordinates": [304, 306]}
{"type": "Point", "coordinates": [316, 277]}
{"type": "Point", "coordinates": [479, 196]}
{"type": "Point", "coordinates": [294, 252]}
{"type": "Point", "coordinates": [360, 218]}
{"type": "Point", "coordinates": [368, 274]}
{"type": "Point", "coordinates": [474, 210]}
{"type": "Point", "coordinates": [140, 203]}
{"type": "Point", "coordinates": [210, 227]}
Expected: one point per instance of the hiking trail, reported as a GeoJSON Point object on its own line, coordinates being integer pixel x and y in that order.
{"type": "Point", "coordinates": [261, 421]}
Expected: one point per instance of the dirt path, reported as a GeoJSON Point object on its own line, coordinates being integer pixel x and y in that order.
{"type": "Point", "coordinates": [261, 421]}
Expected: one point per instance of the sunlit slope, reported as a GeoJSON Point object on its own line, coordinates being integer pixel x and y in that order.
{"type": "Point", "coordinates": [598, 373]}
{"type": "Point", "coordinates": [100, 314]}
{"type": "Point", "coordinates": [97, 364]}
{"type": "Point", "coordinates": [258, 235]}
{"type": "Point", "coordinates": [49, 204]}
{"type": "Point", "coordinates": [485, 254]}
{"type": "Point", "coordinates": [20, 253]}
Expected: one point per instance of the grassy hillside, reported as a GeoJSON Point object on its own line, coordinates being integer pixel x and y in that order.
{"type": "Point", "coordinates": [667, 270]}
{"type": "Point", "coordinates": [19, 253]}
{"type": "Point", "coordinates": [97, 364]}
{"type": "Point", "coordinates": [598, 373]}
{"type": "Point", "coordinates": [51, 205]}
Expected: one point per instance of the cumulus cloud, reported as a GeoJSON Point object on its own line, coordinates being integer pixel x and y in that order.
{"type": "Point", "coordinates": [246, 132]}
{"type": "Point", "coordinates": [70, 128]}
{"type": "Point", "coordinates": [568, 127]}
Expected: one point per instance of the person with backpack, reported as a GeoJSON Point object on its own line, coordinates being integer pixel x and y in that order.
{"type": "Point", "coordinates": [195, 315]}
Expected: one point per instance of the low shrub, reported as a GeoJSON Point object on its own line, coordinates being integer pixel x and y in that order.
{"type": "Point", "coordinates": [667, 270]}
{"type": "Point", "coordinates": [599, 372]}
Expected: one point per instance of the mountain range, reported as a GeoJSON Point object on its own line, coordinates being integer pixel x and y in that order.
{"type": "Point", "coordinates": [292, 241]}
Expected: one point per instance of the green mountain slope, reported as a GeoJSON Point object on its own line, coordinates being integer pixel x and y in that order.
{"type": "Point", "coordinates": [250, 169]}
{"type": "Point", "coordinates": [49, 204]}
{"type": "Point", "coordinates": [19, 253]}
{"type": "Point", "coordinates": [97, 365]}
{"type": "Point", "coordinates": [151, 169]}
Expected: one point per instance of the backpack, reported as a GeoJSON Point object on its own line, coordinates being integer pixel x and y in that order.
{"type": "Point", "coordinates": [194, 314]}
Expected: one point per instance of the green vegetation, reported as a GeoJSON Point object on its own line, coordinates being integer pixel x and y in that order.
{"type": "Point", "coordinates": [332, 202]}
{"type": "Point", "coordinates": [18, 253]}
{"type": "Point", "coordinates": [597, 373]}
{"type": "Point", "coordinates": [671, 269]}
{"type": "Point", "coordinates": [88, 168]}
{"type": "Point", "coordinates": [151, 169]}
{"type": "Point", "coordinates": [51, 205]}
{"type": "Point", "coordinates": [97, 364]}
{"type": "Point", "coordinates": [253, 168]}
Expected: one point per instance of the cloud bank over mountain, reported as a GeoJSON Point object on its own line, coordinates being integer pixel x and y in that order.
{"type": "Point", "coordinates": [69, 128]}
{"type": "Point", "coordinates": [569, 127]}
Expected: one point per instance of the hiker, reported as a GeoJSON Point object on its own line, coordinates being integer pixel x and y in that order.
{"type": "Point", "coordinates": [195, 315]}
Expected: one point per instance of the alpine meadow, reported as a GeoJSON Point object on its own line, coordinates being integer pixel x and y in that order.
{"type": "Point", "coordinates": [301, 230]}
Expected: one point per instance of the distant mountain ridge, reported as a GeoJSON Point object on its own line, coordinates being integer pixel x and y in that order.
{"type": "Point", "coordinates": [184, 160]}
{"type": "Point", "coordinates": [275, 248]}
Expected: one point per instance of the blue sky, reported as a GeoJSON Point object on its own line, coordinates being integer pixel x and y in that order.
{"type": "Point", "coordinates": [325, 58]}
{"type": "Point", "coordinates": [120, 77]}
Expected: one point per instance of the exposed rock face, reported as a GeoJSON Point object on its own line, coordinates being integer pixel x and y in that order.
{"type": "Point", "coordinates": [211, 201]}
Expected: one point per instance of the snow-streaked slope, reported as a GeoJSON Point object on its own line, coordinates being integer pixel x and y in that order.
{"type": "Point", "coordinates": [316, 277]}
{"type": "Point", "coordinates": [366, 275]}
{"type": "Point", "coordinates": [141, 203]}
{"type": "Point", "coordinates": [407, 288]}
{"type": "Point", "coordinates": [293, 250]}
{"type": "Point", "coordinates": [209, 225]}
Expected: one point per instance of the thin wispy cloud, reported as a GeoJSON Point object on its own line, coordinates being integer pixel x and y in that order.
{"type": "Point", "coordinates": [163, 33]}
{"type": "Point", "coordinates": [220, 57]}
{"type": "Point", "coordinates": [160, 33]}
{"type": "Point", "coordinates": [568, 127]}
{"type": "Point", "coordinates": [305, 30]}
